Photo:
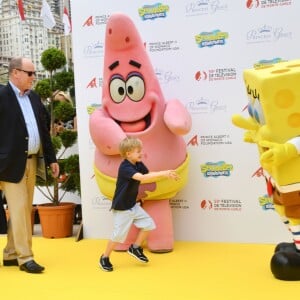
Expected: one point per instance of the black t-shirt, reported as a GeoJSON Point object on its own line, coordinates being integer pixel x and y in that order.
{"type": "Point", "coordinates": [127, 187]}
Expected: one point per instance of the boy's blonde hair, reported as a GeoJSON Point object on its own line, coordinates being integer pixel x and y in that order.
{"type": "Point", "coordinates": [128, 144]}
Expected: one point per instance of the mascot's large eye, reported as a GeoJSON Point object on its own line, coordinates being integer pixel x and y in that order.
{"type": "Point", "coordinates": [135, 87]}
{"type": "Point", "coordinates": [255, 111]}
{"type": "Point", "coordinates": [117, 89]}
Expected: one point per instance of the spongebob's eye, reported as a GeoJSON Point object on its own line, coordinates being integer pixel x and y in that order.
{"type": "Point", "coordinates": [250, 110]}
{"type": "Point", "coordinates": [117, 89]}
{"type": "Point", "coordinates": [255, 111]}
{"type": "Point", "coordinates": [135, 87]}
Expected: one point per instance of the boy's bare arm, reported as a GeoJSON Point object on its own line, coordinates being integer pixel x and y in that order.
{"type": "Point", "coordinates": [152, 176]}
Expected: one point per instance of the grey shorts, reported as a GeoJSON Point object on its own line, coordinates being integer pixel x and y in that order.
{"type": "Point", "coordinates": [123, 219]}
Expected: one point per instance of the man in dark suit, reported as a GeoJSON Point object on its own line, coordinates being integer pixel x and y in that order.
{"type": "Point", "coordinates": [24, 133]}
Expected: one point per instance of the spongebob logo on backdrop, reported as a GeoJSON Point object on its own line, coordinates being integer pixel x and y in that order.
{"type": "Point", "coordinates": [150, 12]}
{"type": "Point", "coordinates": [210, 39]}
{"type": "Point", "coordinates": [268, 62]}
{"type": "Point", "coordinates": [217, 169]}
{"type": "Point", "coordinates": [266, 202]}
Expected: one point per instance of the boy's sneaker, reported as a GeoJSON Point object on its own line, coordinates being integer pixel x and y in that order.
{"type": "Point", "coordinates": [137, 253]}
{"type": "Point", "coordinates": [105, 264]}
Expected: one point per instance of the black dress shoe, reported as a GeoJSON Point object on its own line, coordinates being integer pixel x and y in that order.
{"type": "Point", "coordinates": [286, 265]}
{"type": "Point", "coordinates": [286, 247]}
{"type": "Point", "coordinates": [10, 262]}
{"type": "Point", "coordinates": [31, 267]}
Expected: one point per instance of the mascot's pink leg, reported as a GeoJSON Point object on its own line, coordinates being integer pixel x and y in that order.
{"type": "Point", "coordinates": [161, 239]}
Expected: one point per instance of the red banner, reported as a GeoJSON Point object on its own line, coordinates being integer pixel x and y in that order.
{"type": "Point", "coordinates": [21, 10]}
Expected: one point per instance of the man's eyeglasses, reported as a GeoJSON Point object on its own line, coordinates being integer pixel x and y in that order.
{"type": "Point", "coordinates": [29, 73]}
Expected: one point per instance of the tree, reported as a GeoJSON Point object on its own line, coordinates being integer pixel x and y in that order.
{"type": "Point", "coordinates": [63, 135]}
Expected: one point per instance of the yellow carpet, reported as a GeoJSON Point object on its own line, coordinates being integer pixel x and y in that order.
{"type": "Point", "coordinates": [192, 271]}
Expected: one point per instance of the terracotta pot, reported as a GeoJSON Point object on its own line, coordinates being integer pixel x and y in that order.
{"type": "Point", "coordinates": [32, 217]}
{"type": "Point", "coordinates": [56, 221]}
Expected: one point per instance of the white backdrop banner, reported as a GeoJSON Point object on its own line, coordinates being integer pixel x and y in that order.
{"type": "Point", "coordinates": [199, 49]}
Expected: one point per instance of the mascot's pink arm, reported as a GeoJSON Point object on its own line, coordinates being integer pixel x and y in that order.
{"type": "Point", "coordinates": [177, 118]}
{"type": "Point", "coordinates": [105, 132]}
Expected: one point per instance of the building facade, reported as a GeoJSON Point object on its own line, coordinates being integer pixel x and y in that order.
{"type": "Point", "coordinates": [28, 37]}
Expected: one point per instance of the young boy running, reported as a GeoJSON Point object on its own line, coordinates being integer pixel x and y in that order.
{"type": "Point", "coordinates": [126, 210]}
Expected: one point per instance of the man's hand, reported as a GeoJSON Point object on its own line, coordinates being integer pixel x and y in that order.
{"type": "Point", "coordinates": [54, 169]}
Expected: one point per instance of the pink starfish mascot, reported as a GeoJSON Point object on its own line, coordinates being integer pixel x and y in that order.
{"type": "Point", "coordinates": [133, 105]}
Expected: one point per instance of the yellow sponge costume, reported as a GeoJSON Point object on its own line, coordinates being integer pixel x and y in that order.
{"type": "Point", "coordinates": [274, 125]}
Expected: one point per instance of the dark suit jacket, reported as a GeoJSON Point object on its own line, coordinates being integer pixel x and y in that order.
{"type": "Point", "coordinates": [14, 135]}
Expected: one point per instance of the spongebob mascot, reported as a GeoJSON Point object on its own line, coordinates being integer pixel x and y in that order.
{"type": "Point", "coordinates": [274, 125]}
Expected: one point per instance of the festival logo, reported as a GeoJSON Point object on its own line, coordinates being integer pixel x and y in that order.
{"type": "Point", "coordinates": [206, 204]}
{"type": "Point", "coordinates": [151, 12]}
{"type": "Point", "coordinates": [221, 205]}
{"type": "Point", "coordinates": [216, 74]}
{"type": "Point", "coordinates": [267, 33]}
{"type": "Point", "coordinates": [212, 38]}
{"type": "Point", "coordinates": [250, 4]}
{"type": "Point", "coordinates": [217, 169]}
{"type": "Point", "coordinates": [201, 75]}
{"type": "Point", "coordinates": [205, 7]}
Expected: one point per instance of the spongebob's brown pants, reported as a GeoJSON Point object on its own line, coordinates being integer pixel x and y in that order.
{"type": "Point", "coordinates": [290, 201]}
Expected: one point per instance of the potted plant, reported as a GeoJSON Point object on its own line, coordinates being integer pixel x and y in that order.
{"type": "Point", "coordinates": [61, 113]}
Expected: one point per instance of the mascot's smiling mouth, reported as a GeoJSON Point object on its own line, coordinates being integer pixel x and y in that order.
{"type": "Point", "coordinates": [136, 126]}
